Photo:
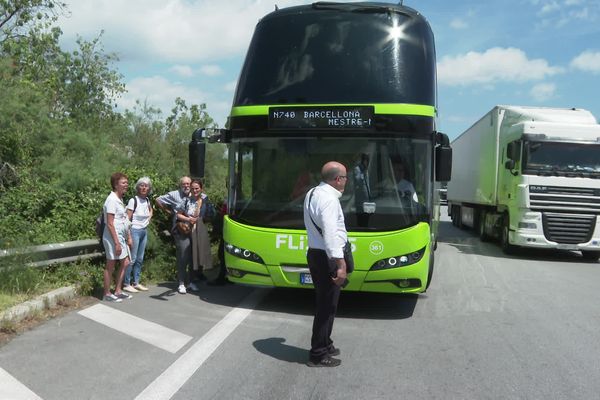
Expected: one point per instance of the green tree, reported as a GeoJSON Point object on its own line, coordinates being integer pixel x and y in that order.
{"type": "Point", "coordinates": [18, 16]}
{"type": "Point", "coordinates": [179, 127]}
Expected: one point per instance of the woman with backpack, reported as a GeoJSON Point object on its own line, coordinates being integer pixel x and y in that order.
{"type": "Point", "coordinates": [139, 212]}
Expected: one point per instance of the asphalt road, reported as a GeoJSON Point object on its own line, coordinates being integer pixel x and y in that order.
{"type": "Point", "coordinates": [489, 327]}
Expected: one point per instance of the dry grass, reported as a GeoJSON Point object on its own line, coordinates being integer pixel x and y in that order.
{"type": "Point", "coordinates": [9, 329]}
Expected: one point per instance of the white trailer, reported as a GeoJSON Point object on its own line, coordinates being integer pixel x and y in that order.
{"type": "Point", "coordinates": [530, 176]}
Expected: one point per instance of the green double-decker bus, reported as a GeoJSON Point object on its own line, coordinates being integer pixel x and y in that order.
{"type": "Point", "coordinates": [351, 82]}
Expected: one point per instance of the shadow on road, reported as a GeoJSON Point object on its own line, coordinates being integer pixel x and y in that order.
{"type": "Point", "coordinates": [352, 304]}
{"type": "Point", "coordinates": [467, 241]}
{"type": "Point", "coordinates": [301, 301]}
{"type": "Point", "coordinates": [276, 348]}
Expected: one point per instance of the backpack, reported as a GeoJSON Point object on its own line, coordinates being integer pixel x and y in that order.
{"type": "Point", "coordinates": [210, 212]}
{"type": "Point", "coordinates": [100, 225]}
{"type": "Point", "coordinates": [135, 206]}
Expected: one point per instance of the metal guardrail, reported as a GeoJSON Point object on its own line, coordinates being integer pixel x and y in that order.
{"type": "Point", "coordinates": [58, 253]}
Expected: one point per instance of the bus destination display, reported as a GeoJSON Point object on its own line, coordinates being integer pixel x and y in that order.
{"type": "Point", "coordinates": [321, 117]}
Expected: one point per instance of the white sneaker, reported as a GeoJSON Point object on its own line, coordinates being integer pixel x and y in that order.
{"type": "Point", "coordinates": [181, 289]}
{"type": "Point", "coordinates": [112, 298]}
{"type": "Point", "coordinates": [130, 289]}
{"type": "Point", "coordinates": [193, 287]}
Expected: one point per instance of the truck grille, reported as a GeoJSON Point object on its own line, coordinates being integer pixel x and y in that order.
{"type": "Point", "coordinates": [568, 228]}
{"type": "Point", "coordinates": [564, 199]}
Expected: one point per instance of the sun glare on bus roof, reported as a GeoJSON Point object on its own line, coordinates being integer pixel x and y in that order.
{"type": "Point", "coordinates": [396, 32]}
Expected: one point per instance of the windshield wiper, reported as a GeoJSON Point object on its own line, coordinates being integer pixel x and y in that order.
{"type": "Point", "coordinates": [545, 170]}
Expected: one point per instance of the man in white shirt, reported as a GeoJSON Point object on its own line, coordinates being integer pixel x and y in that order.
{"type": "Point", "coordinates": [324, 221]}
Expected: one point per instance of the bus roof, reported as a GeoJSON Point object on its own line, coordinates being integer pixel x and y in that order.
{"type": "Point", "coordinates": [340, 53]}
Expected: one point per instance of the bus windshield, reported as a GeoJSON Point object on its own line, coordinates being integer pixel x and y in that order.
{"type": "Point", "coordinates": [387, 188]}
{"type": "Point", "coordinates": [337, 56]}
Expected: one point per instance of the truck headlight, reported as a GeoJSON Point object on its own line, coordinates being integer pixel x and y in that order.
{"type": "Point", "coordinates": [244, 254]}
{"type": "Point", "coordinates": [398, 261]}
{"type": "Point", "coordinates": [527, 225]}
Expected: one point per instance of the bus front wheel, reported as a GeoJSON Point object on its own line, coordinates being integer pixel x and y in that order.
{"type": "Point", "coordinates": [430, 273]}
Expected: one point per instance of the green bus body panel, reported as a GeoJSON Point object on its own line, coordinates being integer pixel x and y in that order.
{"type": "Point", "coordinates": [398, 109]}
{"type": "Point", "coordinates": [287, 248]}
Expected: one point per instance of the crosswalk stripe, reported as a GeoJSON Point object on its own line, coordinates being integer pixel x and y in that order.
{"type": "Point", "coordinates": [149, 332]}
{"type": "Point", "coordinates": [13, 389]}
{"type": "Point", "coordinates": [174, 377]}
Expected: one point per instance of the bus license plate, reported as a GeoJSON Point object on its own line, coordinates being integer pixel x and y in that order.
{"type": "Point", "coordinates": [306, 279]}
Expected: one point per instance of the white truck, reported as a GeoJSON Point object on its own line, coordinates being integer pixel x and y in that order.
{"type": "Point", "coordinates": [530, 176]}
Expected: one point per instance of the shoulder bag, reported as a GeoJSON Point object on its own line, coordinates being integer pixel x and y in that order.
{"type": "Point", "coordinates": [348, 258]}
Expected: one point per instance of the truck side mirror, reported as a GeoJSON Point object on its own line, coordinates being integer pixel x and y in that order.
{"type": "Point", "coordinates": [197, 153]}
{"type": "Point", "coordinates": [510, 165]}
{"type": "Point", "coordinates": [443, 163]}
{"type": "Point", "coordinates": [512, 151]}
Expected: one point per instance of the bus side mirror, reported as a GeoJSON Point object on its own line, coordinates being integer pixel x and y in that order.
{"type": "Point", "coordinates": [443, 158]}
{"type": "Point", "coordinates": [443, 163]}
{"type": "Point", "coordinates": [197, 153]}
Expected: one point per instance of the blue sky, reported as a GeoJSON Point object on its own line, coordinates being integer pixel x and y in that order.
{"type": "Point", "coordinates": [520, 52]}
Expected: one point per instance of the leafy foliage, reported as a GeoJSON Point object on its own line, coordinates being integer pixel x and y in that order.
{"type": "Point", "coordinates": [61, 137]}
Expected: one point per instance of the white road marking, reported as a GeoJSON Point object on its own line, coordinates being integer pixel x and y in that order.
{"type": "Point", "coordinates": [13, 389]}
{"type": "Point", "coordinates": [174, 377]}
{"type": "Point", "coordinates": [149, 332]}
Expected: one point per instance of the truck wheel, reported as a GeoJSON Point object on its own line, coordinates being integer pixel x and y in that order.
{"type": "Point", "coordinates": [430, 273]}
{"type": "Point", "coordinates": [507, 248]}
{"type": "Point", "coordinates": [453, 216]}
{"type": "Point", "coordinates": [591, 255]}
{"type": "Point", "coordinates": [459, 222]}
{"type": "Point", "coordinates": [483, 236]}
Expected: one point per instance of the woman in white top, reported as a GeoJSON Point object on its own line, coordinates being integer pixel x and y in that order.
{"type": "Point", "coordinates": [116, 237]}
{"type": "Point", "coordinates": [139, 213]}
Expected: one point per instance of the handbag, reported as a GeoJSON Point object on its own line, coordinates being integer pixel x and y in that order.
{"type": "Point", "coordinates": [184, 227]}
{"type": "Point", "coordinates": [348, 257]}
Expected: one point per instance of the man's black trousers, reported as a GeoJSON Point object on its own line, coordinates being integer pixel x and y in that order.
{"type": "Point", "coordinates": [327, 295]}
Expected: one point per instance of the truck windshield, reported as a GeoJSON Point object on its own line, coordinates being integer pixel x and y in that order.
{"type": "Point", "coordinates": [555, 158]}
{"type": "Point", "coordinates": [388, 184]}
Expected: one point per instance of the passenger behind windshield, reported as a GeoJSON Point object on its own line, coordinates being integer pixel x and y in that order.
{"type": "Point", "coordinates": [362, 190]}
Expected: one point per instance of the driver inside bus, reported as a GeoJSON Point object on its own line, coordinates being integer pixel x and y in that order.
{"type": "Point", "coordinates": [405, 188]}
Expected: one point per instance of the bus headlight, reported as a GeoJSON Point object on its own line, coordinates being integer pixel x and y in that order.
{"type": "Point", "coordinates": [244, 254]}
{"type": "Point", "coordinates": [398, 261]}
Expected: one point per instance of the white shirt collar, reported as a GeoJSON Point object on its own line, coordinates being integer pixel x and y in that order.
{"type": "Point", "coordinates": [326, 186]}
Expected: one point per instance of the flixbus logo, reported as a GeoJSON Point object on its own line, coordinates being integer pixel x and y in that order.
{"type": "Point", "coordinates": [298, 242]}
{"type": "Point", "coordinates": [292, 242]}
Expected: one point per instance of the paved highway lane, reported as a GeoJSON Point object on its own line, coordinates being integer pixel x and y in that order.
{"type": "Point", "coordinates": [489, 327]}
